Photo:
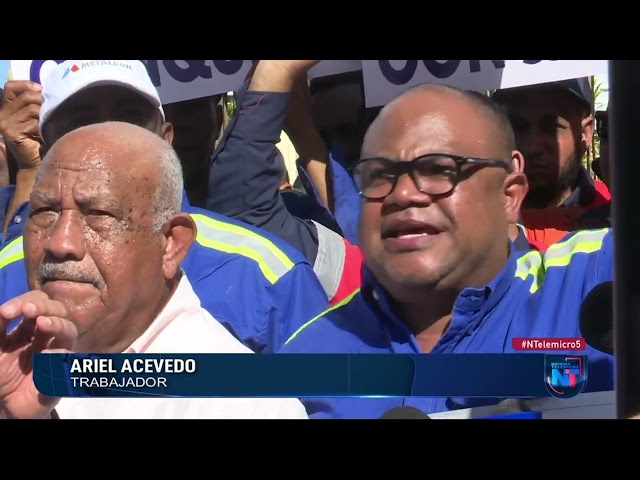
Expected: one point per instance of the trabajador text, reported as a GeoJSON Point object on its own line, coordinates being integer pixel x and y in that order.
{"type": "Point", "coordinates": [135, 365]}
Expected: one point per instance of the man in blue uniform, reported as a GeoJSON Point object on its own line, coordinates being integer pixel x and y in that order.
{"type": "Point", "coordinates": [255, 284]}
{"type": "Point", "coordinates": [440, 187]}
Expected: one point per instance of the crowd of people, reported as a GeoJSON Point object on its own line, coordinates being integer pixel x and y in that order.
{"type": "Point", "coordinates": [448, 221]}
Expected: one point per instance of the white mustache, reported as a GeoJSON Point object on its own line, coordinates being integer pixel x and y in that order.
{"type": "Point", "coordinates": [66, 271]}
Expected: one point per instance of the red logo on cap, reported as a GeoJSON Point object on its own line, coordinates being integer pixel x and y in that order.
{"type": "Point", "coordinates": [74, 68]}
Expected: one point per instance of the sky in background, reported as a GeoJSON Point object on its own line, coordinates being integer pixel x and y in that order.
{"type": "Point", "coordinates": [4, 68]}
{"type": "Point", "coordinates": [603, 99]}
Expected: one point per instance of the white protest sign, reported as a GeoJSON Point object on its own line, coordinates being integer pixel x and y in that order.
{"type": "Point", "coordinates": [176, 80]}
{"type": "Point", "coordinates": [326, 68]}
{"type": "Point", "coordinates": [384, 80]}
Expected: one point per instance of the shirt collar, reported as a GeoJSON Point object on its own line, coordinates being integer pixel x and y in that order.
{"type": "Point", "coordinates": [183, 302]}
{"type": "Point", "coordinates": [521, 243]}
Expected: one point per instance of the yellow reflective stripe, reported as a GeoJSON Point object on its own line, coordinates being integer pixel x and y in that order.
{"type": "Point", "coordinates": [234, 239]}
{"type": "Point", "coordinates": [342, 303]}
{"type": "Point", "coordinates": [585, 241]}
{"type": "Point", "coordinates": [531, 264]}
{"type": "Point", "coordinates": [558, 255]}
{"type": "Point", "coordinates": [11, 253]}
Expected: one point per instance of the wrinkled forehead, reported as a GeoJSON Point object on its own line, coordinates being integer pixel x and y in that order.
{"type": "Point", "coordinates": [109, 169]}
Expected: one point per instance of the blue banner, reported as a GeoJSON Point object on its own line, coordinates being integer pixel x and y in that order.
{"type": "Point", "coordinates": [303, 375]}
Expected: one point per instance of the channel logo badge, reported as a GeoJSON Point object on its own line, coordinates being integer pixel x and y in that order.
{"type": "Point", "coordinates": [565, 376]}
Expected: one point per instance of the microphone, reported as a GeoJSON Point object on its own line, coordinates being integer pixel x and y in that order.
{"type": "Point", "coordinates": [405, 413]}
{"type": "Point", "coordinates": [596, 318]}
{"type": "Point", "coordinates": [511, 405]}
{"type": "Point", "coordinates": [510, 409]}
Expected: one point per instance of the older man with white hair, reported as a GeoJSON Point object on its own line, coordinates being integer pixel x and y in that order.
{"type": "Point", "coordinates": [104, 244]}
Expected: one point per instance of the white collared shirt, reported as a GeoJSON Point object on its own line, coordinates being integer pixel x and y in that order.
{"type": "Point", "coordinates": [183, 326]}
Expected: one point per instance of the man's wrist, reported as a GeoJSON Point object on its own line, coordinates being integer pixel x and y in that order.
{"type": "Point", "coordinates": [26, 173]}
{"type": "Point", "coordinates": [273, 77]}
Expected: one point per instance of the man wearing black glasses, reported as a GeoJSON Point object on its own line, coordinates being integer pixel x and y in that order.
{"type": "Point", "coordinates": [441, 182]}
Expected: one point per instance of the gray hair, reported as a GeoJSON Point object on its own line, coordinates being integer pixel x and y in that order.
{"type": "Point", "coordinates": [168, 196]}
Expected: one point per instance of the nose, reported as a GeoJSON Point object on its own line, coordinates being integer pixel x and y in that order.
{"type": "Point", "coordinates": [67, 237]}
{"type": "Point", "coordinates": [406, 193]}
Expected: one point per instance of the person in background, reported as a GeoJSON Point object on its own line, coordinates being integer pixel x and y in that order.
{"type": "Point", "coordinates": [565, 220]}
{"type": "Point", "coordinates": [554, 128]}
{"type": "Point", "coordinates": [229, 262]}
{"type": "Point", "coordinates": [21, 102]}
{"type": "Point", "coordinates": [105, 240]}
{"type": "Point", "coordinates": [441, 183]}
{"type": "Point", "coordinates": [339, 115]}
{"type": "Point", "coordinates": [337, 106]}
{"type": "Point", "coordinates": [246, 174]}
{"type": "Point", "coordinates": [196, 127]}
{"type": "Point", "coordinates": [314, 199]}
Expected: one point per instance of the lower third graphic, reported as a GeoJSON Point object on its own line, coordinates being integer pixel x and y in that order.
{"type": "Point", "coordinates": [565, 375]}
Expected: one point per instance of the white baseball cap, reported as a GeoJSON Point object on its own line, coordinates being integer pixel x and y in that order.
{"type": "Point", "coordinates": [72, 76]}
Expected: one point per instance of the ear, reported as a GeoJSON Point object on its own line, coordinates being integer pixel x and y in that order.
{"type": "Point", "coordinates": [516, 188]}
{"type": "Point", "coordinates": [587, 125]}
{"type": "Point", "coordinates": [167, 132]}
{"type": "Point", "coordinates": [180, 232]}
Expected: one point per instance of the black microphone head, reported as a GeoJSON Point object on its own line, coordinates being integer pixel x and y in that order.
{"type": "Point", "coordinates": [511, 405]}
{"type": "Point", "coordinates": [596, 318]}
{"type": "Point", "coordinates": [405, 413]}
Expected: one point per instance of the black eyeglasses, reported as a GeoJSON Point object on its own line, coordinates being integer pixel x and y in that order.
{"type": "Point", "coordinates": [433, 174]}
{"type": "Point", "coordinates": [602, 125]}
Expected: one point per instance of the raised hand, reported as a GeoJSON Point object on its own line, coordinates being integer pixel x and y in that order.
{"type": "Point", "coordinates": [43, 329]}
